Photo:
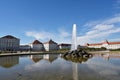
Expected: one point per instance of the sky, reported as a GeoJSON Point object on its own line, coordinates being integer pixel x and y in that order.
{"type": "Point", "coordinates": [96, 20]}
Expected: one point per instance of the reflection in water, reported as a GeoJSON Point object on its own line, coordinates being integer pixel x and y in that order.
{"type": "Point", "coordinates": [77, 59]}
{"type": "Point", "coordinates": [95, 68]}
{"type": "Point", "coordinates": [9, 61]}
{"type": "Point", "coordinates": [50, 57]}
{"type": "Point", "coordinates": [75, 71]}
{"type": "Point", "coordinates": [36, 58]}
{"type": "Point", "coordinates": [108, 56]}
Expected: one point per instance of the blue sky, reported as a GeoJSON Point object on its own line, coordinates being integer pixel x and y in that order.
{"type": "Point", "coordinates": [96, 20]}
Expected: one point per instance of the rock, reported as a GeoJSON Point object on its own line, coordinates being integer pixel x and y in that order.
{"type": "Point", "coordinates": [74, 55]}
{"type": "Point", "coordinates": [78, 55]}
{"type": "Point", "coordinates": [86, 56]}
{"type": "Point", "coordinates": [65, 54]}
{"type": "Point", "coordinates": [90, 55]}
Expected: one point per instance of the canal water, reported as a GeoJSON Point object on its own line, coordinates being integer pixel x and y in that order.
{"type": "Point", "coordinates": [53, 67]}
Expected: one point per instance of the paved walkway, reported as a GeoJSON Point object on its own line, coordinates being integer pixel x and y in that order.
{"type": "Point", "coordinates": [25, 53]}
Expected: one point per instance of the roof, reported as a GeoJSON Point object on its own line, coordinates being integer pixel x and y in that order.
{"type": "Point", "coordinates": [51, 58]}
{"type": "Point", "coordinates": [9, 37]}
{"type": "Point", "coordinates": [95, 44]}
{"type": "Point", "coordinates": [64, 44]}
{"type": "Point", "coordinates": [50, 42]}
{"type": "Point", "coordinates": [106, 42]}
{"type": "Point", "coordinates": [36, 42]}
{"type": "Point", "coordinates": [114, 43]}
{"type": "Point", "coordinates": [36, 59]}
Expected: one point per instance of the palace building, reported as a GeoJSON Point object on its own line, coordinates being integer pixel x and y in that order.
{"type": "Point", "coordinates": [37, 46]}
{"type": "Point", "coordinates": [106, 44]}
{"type": "Point", "coordinates": [9, 43]}
{"type": "Point", "coordinates": [51, 45]}
{"type": "Point", "coordinates": [64, 46]}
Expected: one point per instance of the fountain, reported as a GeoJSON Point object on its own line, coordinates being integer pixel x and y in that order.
{"type": "Point", "coordinates": [74, 38]}
{"type": "Point", "coordinates": [76, 53]}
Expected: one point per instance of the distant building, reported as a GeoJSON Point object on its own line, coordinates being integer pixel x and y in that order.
{"type": "Point", "coordinates": [51, 45]}
{"type": "Point", "coordinates": [64, 46]}
{"type": "Point", "coordinates": [37, 46]}
{"type": "Point", "coordinates": [106, 44]}
{"type": "Point", "coordinates": [24, 48]}
{"type": "Point", "coordinates": [9, 43]}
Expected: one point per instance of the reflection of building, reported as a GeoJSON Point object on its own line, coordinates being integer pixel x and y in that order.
{"type": "Point", "coordinates": [37, 46]}
{"type": "Point", "coordinates": [108, 56]}
{"type": "Point", "coordinates": [51, 45]}
{"type": "Point", "coordinates": [50, 57]}
{"type": "Point", "coordinates": [106, 44]}
{"type": "Point", "coordinates": [9, 61]}
{"type": "Point", "coordinates": [36, 58]}
{"type": "Point", "coordinates": [64, 46]}
{"type": "Point", "coordinates": [9, 43]}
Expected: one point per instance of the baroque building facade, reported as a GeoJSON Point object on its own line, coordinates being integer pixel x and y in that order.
{"type": "Point", "coordinates": [9, 43]}
{"type": "Point", "coordinates": [51, 45]}
{"type": "Point", "coordinates": [37, 46]}
{"type": "Point", "coordinates": [106, 44]}
{"type": "Point", "coordinates": [64, 46]}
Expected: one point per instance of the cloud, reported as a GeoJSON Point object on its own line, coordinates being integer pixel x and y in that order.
{"type": "Point", "coordinates": [115, 39]}
{"type": "Point", "coordinates": [101, 27]}
{"type": "Point", "coordinates": [64, 36]}
{"type": "Point", "coordinates": [92, 23]}
{"type": "Point", "coordinates": [102, 67]}
{"type": "Point", "coordinates": [61, 37]}
{"type": "Point", "coordinates": [117, 4]}
{"type": "Point", "coordinates": [113, 20]}
{"type": "Point", "coordinates": [100, 30]}
{"type": "Point", "coordinates": [63, 33]}
{"type": "Point", "coordinates": [40, 35]}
